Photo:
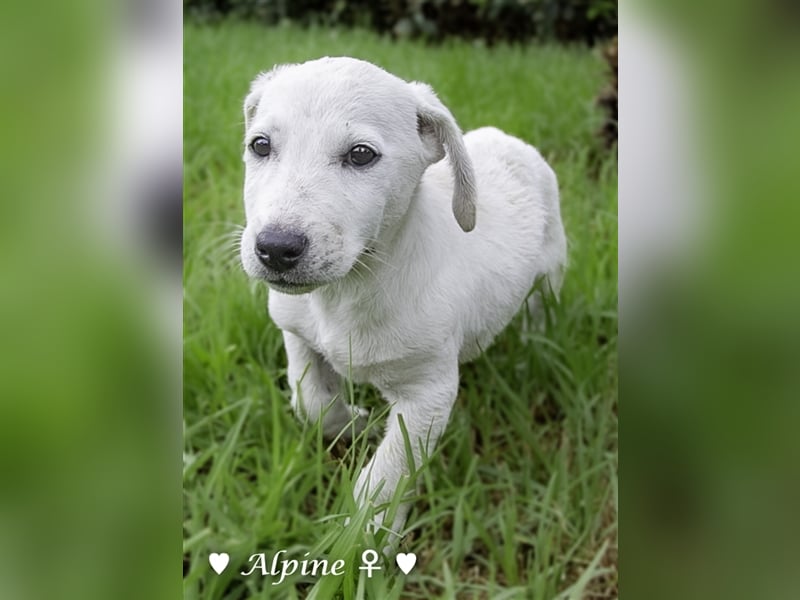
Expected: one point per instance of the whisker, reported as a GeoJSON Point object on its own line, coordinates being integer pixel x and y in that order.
{"type": "Point", "coordinates": [361, 263]}
{"type": "Point", "coordinates": [225, 248]}
{"type": "Point", "coordinates": [381, 258]}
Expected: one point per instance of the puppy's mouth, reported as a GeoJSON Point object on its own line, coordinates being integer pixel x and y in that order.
{"type": "Point", "coordinates": [290, 287]}
{"type": "Point", "coordinates": [297, 282]}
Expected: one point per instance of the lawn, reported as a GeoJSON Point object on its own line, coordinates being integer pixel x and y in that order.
{"type": "Point", "coordinates": [520, 498]}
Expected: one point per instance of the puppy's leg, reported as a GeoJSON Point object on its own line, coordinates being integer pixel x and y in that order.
{"type": "Point", "coordinates": [544, 294]}
{"type": "Point", "coordinates": [317, 391]}
{"type": "Point", "coordinates": [425, 402]}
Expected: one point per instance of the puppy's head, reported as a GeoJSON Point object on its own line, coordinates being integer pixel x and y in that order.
{"type": "Point", "coordinates": [333, 150]}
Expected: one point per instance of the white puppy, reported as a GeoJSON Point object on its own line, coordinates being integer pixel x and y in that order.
{"type": "Point", "coordinates": [386, 263]}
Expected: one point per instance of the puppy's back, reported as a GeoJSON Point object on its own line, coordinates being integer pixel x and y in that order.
{"type": "Point", "coordinates": [519, 234]}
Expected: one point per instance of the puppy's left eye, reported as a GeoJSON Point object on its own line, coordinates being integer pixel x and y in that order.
{"type": "Point", "coordinates": [361, 155]}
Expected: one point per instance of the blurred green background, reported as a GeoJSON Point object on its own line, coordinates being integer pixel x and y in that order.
{"type": "Point", "coordinates": [709, 296]}
{"type": "Point", "coordinates": [89, 310]}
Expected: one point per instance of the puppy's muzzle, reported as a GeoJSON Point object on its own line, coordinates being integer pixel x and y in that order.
{"type": "Point", "coordinates": [280, 249]}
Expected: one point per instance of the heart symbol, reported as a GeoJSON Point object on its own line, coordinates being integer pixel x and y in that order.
{"type": "Point", "coordinates": [406, 562]}
{"type": "Point", "coordinates": [219, 561]}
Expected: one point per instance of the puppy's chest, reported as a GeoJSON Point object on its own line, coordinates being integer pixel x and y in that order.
{"type": "Point", "coordinates": [361, 352]}
{"type": "Point", "coordinates": [366, 350]}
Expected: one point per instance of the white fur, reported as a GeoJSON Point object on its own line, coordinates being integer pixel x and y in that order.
{"type": "Point", "coordinates": [392, 290]}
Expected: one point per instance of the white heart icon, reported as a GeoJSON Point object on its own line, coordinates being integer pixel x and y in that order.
{"type": "Point", "coordinates": [219, 561]}
{"type": "Point", "coordinates": [406, 562]}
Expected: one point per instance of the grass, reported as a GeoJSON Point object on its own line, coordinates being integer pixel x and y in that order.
{"type": "Point", "coordinates": [520, 498]}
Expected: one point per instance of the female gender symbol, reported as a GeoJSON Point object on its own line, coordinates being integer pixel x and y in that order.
{"type": "Point", "coordinates": [369, 557]}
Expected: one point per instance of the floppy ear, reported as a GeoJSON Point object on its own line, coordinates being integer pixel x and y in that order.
{"type": "Point", "coordinates": [250, 106]}
{"type": "Point", "coordinates": [256, 91]}
{"type": "Point", "coordinates": [253, 98]}
{"type": "Point", "coordinates": [439, 133]}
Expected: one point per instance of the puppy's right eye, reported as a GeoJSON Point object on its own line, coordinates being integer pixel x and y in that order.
{"type": "Point", "coordinates": [261, 146]}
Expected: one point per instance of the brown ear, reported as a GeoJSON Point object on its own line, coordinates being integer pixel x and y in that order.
{"type": "Point", "coordinates": [440, 135]}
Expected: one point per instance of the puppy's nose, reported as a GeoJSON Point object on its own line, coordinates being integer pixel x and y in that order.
{"type": "Point", "coordinates": [279, 249]}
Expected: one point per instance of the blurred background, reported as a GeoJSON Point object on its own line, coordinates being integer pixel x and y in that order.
{"type": "Point", "coordinates": [709, 290]}
{"type": "Point", "coordinates": [90, 299]}
{"type": "Point", "coordinates": [433, 20]}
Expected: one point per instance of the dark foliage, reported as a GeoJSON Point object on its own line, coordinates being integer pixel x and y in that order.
{"type": "Point", "coordinates": [607, 100]}
{"type": "Point", "coordinates": [433, 20]}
